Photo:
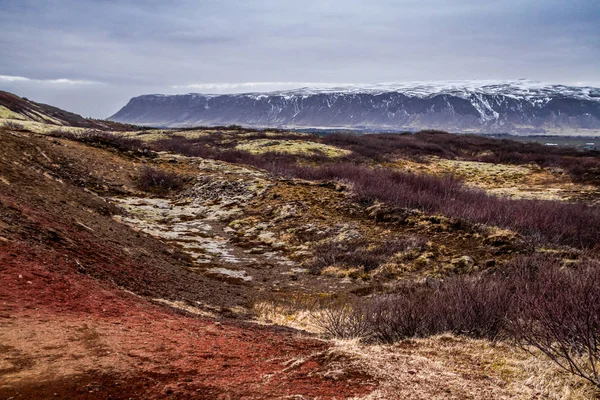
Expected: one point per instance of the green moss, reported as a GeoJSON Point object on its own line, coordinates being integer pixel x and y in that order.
{"type": "Point", "coordinates": [296, 147]}
{"type": "Point", "coordinates": [5, 113]}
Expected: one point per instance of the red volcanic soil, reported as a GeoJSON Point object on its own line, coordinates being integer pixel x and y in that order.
{"type": "Point", "coordinates": [69, 336]}
{"type": "Point", "coordinates": [76, 320]}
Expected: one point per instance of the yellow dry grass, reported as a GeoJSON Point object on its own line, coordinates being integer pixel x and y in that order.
{"type": "Point", "coordinates": [5, 113]}
{"type": "Point", "coordinates": [295, 147]}
{"type": "Point", "coordinates": [269, 313]}
{"type": "Point", "coordinates": [273, 134]}
{"type": "Point", "coordinates": [147, 136]}
{"type": "Point", "coordinates": [450, 367]}
{"type": "Point", "coordinates": [515, 181]}
{"type": "Point", "coordinates": [42, 128]}
{"type": "Point", "coordinates": [440, 367]}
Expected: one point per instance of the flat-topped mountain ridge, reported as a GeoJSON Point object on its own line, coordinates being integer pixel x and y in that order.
{"type": "Point", "coordinates": [518, 107]}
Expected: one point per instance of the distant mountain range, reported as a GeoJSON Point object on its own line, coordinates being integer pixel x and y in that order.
{"type": "Point", "coordinates": [518, 107]}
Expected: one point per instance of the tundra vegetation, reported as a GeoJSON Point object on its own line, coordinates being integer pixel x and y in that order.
{"type": "Point", "coordinates": [384, 241]}
{"type": "Point", "coordinates": [538, 300]}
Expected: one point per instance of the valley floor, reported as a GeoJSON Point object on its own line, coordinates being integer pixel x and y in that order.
{"type": "Point", "coordinates": [109, 292]}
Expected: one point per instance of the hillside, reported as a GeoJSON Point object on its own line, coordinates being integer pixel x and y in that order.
{"type": "Point", "coordinates": [519, 107]}
{"type": "Point", "coordinates": [20, 110]}
{"type": "Point", "coordinates": [237, 263]}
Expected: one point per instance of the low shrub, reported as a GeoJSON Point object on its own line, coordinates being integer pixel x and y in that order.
{"type": "Point", "coordinates": [542, 222]}
{"type": "Point", "coordinates": [359, 253]}
{"type": "Point", "coordinates": [158, 181]}
{"type": "Point", "coordinates": [559, 315]}
{"type": "Point", "coordinates": [343, 321]}
{"type": "Point", "coordinates": [582, 166]}
{"type": "Point", "coordinates": [468, 306]}
{"type": "Point", "coordinates": [101, 138]}
{"type": "Point", "coordinates": [534, 301]}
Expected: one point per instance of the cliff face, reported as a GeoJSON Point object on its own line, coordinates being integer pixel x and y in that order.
{"type": "Point", "coordinates": [518, 107]}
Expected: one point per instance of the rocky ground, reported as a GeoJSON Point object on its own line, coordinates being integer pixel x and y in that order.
{"type": "Point", "coordinates": [107, 291]}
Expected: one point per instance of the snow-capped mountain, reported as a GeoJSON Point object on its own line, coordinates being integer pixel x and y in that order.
{"type": "Point", "coordinates": [460, 106]}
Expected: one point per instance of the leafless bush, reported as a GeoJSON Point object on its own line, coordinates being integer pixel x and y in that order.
{"type": "Point", "coordinates": [474, 306]}
{"type": "Point", "coordinates": [101, 138]}
{"type": "Point", "coordinates": [559, 314]}
{"type": "Point", "coordinates": [584, 166]}
{"type": "Point", "coordinates": [158, 181]}
{"type": "Point", "coordinates": [344, 321]}
{"type": "Point", "coordinates": [466, 306]}
{"type": "Point", "coordinates": [534, 301]}
{"type": "Point", "coordinates": [360, 253]}
{"type": "Point", "coordinates": [549, 222]}
{"type": "Point", "coordinates": [395, 317]}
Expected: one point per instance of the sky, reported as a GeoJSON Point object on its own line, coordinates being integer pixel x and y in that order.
{"type": "Point", "coordinates": [92, 56]}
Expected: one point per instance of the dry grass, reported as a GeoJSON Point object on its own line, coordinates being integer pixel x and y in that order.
{"type": "Point", "coordinates": [448, 367]}
{"type": "Point", "coordinates": [515, 181]}
{"type": "Point", "coordinates": [439, 367]}
{"type": "Point", "coordinates": [42, 128]}
{"type": "Point", "coordinates": [5, 113]}
{"type": "Point", "coordinates": [286, 314]}
{"type": "Point", "coordinates": [294, 147]}
{"type": "Point", "coordinates": [274, 134]}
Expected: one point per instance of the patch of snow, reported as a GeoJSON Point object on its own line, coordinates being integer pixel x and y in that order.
{"type": "Point", "coordinates": [537, 93]}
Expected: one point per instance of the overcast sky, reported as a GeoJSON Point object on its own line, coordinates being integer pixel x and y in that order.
{"type": "Point", "coordinates": [92, 56]}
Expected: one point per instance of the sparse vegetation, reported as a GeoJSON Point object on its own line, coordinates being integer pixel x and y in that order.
{"type": "Point", "coordinates": [543, 222]}
{"type": "Point", "coordinates": [360, 254]}
{"type": "Point", "coordinates": [13, 126]}
{"type": "Point", "coordinates": [551, 222]}
{"type": "Point", "coordinates": [102, 138]}
{"type": "Point", "coordinates": [583, 166]}
{"type": "Point", "coordinates": [158, 181]}
{"type": "Point", "coordinates": [531, 295]}
{"type": "Point", "coordinates": [533, 301]}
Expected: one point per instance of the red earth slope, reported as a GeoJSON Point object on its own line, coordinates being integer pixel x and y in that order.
{"type": "Point", "coordinates": [75, 320]}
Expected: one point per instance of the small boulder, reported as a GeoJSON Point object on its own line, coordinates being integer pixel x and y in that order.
{"type": "Point", "coordinates": [463, 263]}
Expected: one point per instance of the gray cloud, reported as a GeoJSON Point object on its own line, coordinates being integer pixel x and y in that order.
{"type": "Point", "coordinates": [59, 81]}
{"type": "Point", "coordinates": [150, 46]}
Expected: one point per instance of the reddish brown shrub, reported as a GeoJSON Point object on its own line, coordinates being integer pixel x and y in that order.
{"type": "Point", "coordinates": [541, 221]}
{"type": "Point", "coordinates": [359, 254]}
{"type": "Point", "coordinates": [534, 301]}
{"type": "Point", "coordinates": [159, 182]}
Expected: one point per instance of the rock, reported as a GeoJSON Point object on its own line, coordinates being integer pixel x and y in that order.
{"type": "Point", "coordinates": [424, 259]}
{"type": "Point", "coordinates": [505, 240]}
{"type": "Point", "coordinates": [384, 213]}
{"type": "Point", "coordinates": [463, 263]}
{"type": "Point", "coordinates": [335, 374]}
